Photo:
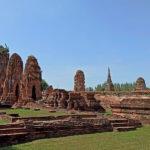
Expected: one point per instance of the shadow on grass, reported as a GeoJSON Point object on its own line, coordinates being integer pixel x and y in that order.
{"type": "Point", "coordinates": [9, 148]}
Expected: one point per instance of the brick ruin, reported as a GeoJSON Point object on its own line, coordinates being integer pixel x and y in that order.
{"type": "Point", "coordinates": [32, 128]}
{"type": "Point", "coordinates": [82, 101]}
{"type": "Point", "coordinates": [12, 83]}
{"type": "Point", "coordinates": [31, 82]}
{"type": "Point", "coordinates": [91, 102]}
{"type": "Point", "coordinates": [109, 83]}
{"type": "Point", "coordinates": [18, 84]}
{"type": "Point", "coordinates": [79, 81]}
{"type": "Point", "coordinates": [78, 100]}
{"type": "Point", "coordinates": [47, 92]}
{"type": "Point", "coordinates": [134, 107]}
{"type": "Point", "coordinates": [22, 87]}
{"type": "Point", "coordinates": [101, 101]}
{"type": "Point", "coordinates": [140, 84]}
{"type": "Point", "coordinates": [4, 58]}
{"type": "Point", "coordinates": [58, 98]}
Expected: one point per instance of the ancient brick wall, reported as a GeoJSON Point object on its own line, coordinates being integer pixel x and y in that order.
{"type": "Point", "coordinates": [4, 58]}
{"type": "Point", "coordinates": [79, 81]}
{"type": "Point", "coordinates": [134, 107]}
{"type": "Point", "coordinates": [76, 101]}
{"type": "Point", "coordinates": [31, 130]}
{"type": "Point", "coordinates": [12, 84]}
{"type": "Point", "coordinates": [140, 84]}
{"type": "Point", "coordinates": [31, 83]}
{"type": "Point", "coordinates": [92, 103]}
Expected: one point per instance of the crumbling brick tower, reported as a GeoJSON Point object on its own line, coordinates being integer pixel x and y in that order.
{"type": "Point", "coordinates": [31, 84]}
{"type": "Point", "coordinates": [4, 58]}
{"type": "Point", "coordinates": [12, 83]}
{"type": "Point", "coordinates": [109, 84]}
{"type": "Point", "coordinates": [79, 81]}
{"type": "Point", "coordinates": [140, 84]}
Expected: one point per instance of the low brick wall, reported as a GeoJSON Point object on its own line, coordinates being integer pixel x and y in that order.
{"type": "Point", "coordinates": [74, 125]}
{"type": "Point", "coordinates": [46, 118]}
{"type": "Point", "coordinates": [134, 112]}
{"type": "Point", "coordinates": [6, 117]}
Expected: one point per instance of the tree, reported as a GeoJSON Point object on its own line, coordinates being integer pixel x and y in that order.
{"type": "Point", "coordinates": [89, 89]}
{"type": "Point", "coordinates": [4, 49]}
{"type": "Point", "coordinates": [44, 85]}
{"type": "Point", "coordinates": [118, 87]}
{"type": "Point", "coordinates": [101, 87]}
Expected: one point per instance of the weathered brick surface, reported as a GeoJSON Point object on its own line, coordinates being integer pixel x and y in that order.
{"type": "Point", "coordinates": [134, 107]}
{"type": "Point", "coordinates": [31, 129]}
{"type": "Point", "coordinates": [18, 86]}
{"type": "Point", "coordinates": [83, 101]}
{"type": "Point", "coordinates": [4, 58]}
{"type": "Point", "coordinates": [31, 83]}
{"type": "Point", "coordinates": [12, 84]}
{"type": "Point", "coordinates": [70, 125]}
{"type": "Point", "coordinates": [79, 81]}
{"type": "Point", "coordinates": [140, 84]}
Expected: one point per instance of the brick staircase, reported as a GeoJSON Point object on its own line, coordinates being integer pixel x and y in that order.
{"type": "Point", "coordinates": [123, 124]}
{"type": "Point", "coordinates": [23, 132]}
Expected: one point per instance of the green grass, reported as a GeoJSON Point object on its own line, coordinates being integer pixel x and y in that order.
{"type": "Point", "coordinates": [3, 122]}
{"type": "Point", "coordinates": [133, 140]}
{"type": "Point", "coordinates": [32, 113]}
{"type": "Point", "coordinates": [29, 113]}
{"type": "Point", "coordinates": [108, 112]}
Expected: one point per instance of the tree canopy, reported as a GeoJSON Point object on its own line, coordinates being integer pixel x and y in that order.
{"type": "Point", "coordinates": [118, 87]}
{"type": "Point", "coordinates": [44, 85]}
{"type": "Point", "coordinates": [4, 49]}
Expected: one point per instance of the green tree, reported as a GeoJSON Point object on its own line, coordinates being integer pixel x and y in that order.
{"type": "Point", "coordinates": [118, 87]}
{"type": "Point", "coordinates": [89, 89]}
{"type": "Point", "coordinates": [44, 85]}
{"type": "Point", "coordinates": [101, 87]}
{"type": "Point", "coordinates": [4, 49]}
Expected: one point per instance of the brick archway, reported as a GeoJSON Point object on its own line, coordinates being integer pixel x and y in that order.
{"type": "Point", "coordinates": [33, 93]}
{"type": "Point", "coordinates": [17, 92]}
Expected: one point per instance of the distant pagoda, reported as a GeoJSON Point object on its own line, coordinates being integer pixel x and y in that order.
{"type": "Point", "coordinates": [140, 84]}
{"type": "Point", "coordinates": [109, 83]}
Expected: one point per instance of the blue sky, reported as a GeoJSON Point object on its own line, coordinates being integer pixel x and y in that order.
{"type": "Point", "coordinates": [67, 35]}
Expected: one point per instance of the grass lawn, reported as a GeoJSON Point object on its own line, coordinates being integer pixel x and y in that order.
{"type": "Point", "coordinates": [133, 140]}
{"type": "Point", "coordinates": [30, 113]}
{"type": "Point", "coordinates": [3, 122]}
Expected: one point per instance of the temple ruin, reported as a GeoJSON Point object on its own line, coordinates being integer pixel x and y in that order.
{"type": "Point", "coordinates": [31, 82]}
{"type": "Point", "coordinates": [20, 87]}
{"type": "Point", "coordinates": [79, 81]}
{"type": "Point", "coordinates": [16, 83]}
{"type": "Point", "coordinates": [12, 83]}
{"type": "Point", "coordinates": [4, 58]}
{"type": "Point", "coordinates": [140, 84]}
{"type": "Point", "coordinates": [109, 84]}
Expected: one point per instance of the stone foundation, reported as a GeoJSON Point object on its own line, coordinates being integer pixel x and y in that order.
{"type": "Point", "coordinates": [30, 129]}
{"type": "Point", "coordinates": [82, 101]}
{"type": "Point", "coordinates": [134, 107]}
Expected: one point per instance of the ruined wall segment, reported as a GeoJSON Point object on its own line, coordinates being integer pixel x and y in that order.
{"type": "Point", "coordinates": [4, 58]}
{"type": "Point", "coordinates": [31, 84]}
{"type": "Point", "coordinates": [12, 84]}
{"type": "Point", "coordinates": [79, 81]}
{"type": "Point", "coordinates": [140, 84]}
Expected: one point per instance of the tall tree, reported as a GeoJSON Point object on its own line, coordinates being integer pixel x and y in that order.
{"type": "Point", "coordinates": [44, 85]}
